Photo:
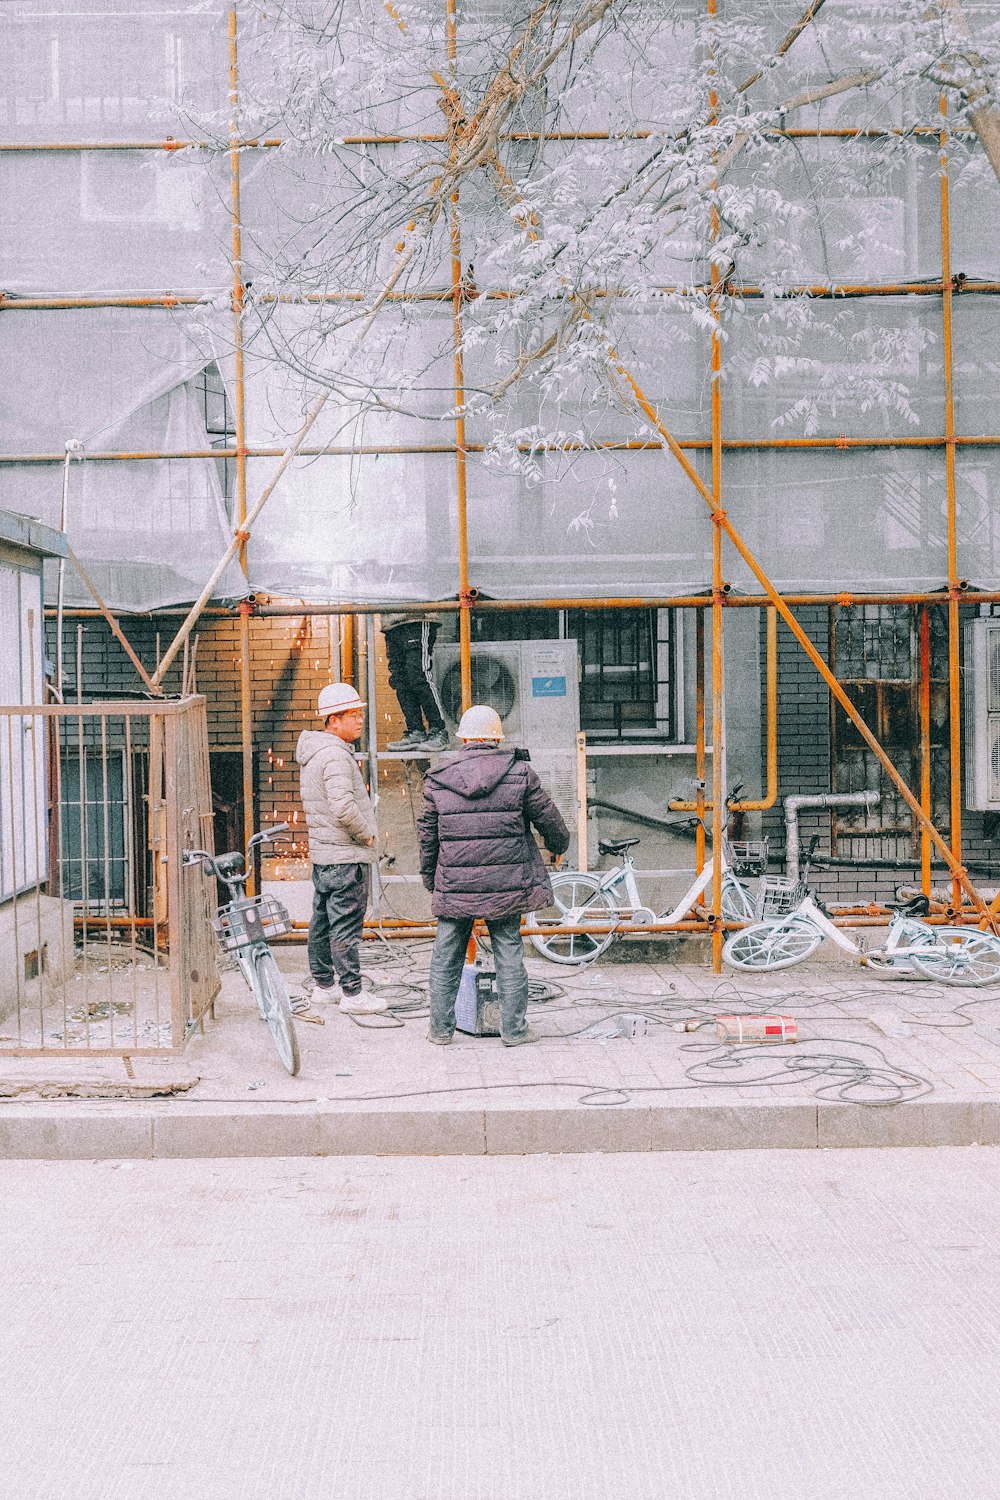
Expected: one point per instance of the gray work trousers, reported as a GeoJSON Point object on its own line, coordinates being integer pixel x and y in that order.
{"type": "Point", "coordinates": [448, 957]}
{"type": "Point", "coordinates": [340, 900]}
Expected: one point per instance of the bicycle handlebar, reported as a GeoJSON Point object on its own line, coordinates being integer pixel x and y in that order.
{"type": "Point", "coordinates": [203, 856]}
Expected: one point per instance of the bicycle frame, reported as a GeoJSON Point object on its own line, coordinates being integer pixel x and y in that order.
{"type": "Point", "coordinates": [898, 946]}
{"type": "Point", "coordinates": [625, 873]}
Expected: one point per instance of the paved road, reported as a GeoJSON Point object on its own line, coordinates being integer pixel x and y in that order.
{"type": "Point", "coordinates": [747, 1326]}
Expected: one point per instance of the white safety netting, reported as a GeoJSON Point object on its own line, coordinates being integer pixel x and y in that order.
{"type": "Point", "coordinates": [148, 530]}
{"type": "Point", "coordinates": [371, 513]}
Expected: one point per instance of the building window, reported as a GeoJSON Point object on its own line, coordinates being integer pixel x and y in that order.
{"type": "Point", "coordinates": [94, 823]}
{"type": "Point", "coordinates": [875, 649]}
{"type": "Point", "coordinates": [219, 422]}
{"type": "Point", "coordinates": [627, 664]}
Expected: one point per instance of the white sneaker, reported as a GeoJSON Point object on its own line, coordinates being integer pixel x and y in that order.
{"type": "Point", "coordinates": [365, 1004]}
{"type": "Point", "coordinates": [331, 993]}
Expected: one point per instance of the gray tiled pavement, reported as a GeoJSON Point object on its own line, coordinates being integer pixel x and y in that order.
{"type": "Point", "coordinates": [724, 1326]}
{"type": "Point", "coordinates": [373, 1086]}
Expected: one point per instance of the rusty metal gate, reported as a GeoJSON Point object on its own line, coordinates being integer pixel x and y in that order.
{"type": "Point", "coordinates": [105, 941]}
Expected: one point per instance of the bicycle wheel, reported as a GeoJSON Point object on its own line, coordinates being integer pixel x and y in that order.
{"type": "Point", "coordinates": [245, 960]}
{"type": "Point", "coordinates": [771, 945]}
{"type": "Point", "coordinates": [272, 994]}
{"type": "Point", "coordinates": [736, 903]}
{"type": "Point", "coordinates": [576, 900]}
{"type": "Point", "coordinates": [959, 955]}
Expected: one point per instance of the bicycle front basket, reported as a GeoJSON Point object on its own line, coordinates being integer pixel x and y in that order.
{"type": "Point", "coordinates": [777, 896]}
{"type": "Point", "coordinates": [230, 925]}
{"type": "Point", "coordinates": [747, 856]}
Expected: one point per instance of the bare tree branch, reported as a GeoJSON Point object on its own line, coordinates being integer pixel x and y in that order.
{"type": "Point", "coordinates": [974, 82]}
{"type": "Point", "coordinates": [783, 46]}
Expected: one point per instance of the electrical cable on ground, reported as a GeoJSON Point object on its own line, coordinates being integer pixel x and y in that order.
{"type": "Point", "coordinates": [869, 1080]}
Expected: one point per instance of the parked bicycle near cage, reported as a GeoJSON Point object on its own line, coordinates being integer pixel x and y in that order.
{"type": "Point", "coordinates": [244, 924]}
{"type": "Point", "coordinates": [792, 923]}
{"type": "Point", "coordinates": [580, 898]}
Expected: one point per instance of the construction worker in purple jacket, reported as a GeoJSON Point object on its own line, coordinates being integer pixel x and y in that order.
{"type": "Point", "coordinates": [478, 856]}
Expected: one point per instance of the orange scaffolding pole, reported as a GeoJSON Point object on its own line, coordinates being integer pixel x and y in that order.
{"type": "Point", "coordinates": [925, 745]}
{"type": "Point", "coordinates": [594, 445]}
{"type": "Point", "coordinates": [718, 724]}
{"type": "Point", "coordinates": [171, 143]}
{"type": "Point", "coordinates": [954, 585]}
{"type": "Point", "coordinates": [453, 110]}
{"type": "Point", "coordinates": [9, 303]}
{"type": "Point", "coordinates": [239, 392]}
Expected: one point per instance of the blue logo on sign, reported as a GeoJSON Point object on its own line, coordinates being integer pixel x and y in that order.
{"type": "Point", "coordinates": [548, 687]}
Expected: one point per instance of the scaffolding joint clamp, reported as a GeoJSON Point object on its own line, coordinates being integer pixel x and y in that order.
{"type": "Point", "coordinates": [241, 534]}
{"type": "Point", "coordinates": [845, 600]}
{"type": "Point", "coordinates": [842, 441]}
{"type": "Point", "coordinates": [467, 597]}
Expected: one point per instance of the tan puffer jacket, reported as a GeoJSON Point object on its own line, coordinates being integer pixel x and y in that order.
{"type": "Point", "coordinates": [339, 812]}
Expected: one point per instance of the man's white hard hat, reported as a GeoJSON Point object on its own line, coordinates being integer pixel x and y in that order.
{"type": "Point", "coordinates": [480, 723]}
{"type": "Point", "coordinates": [337, 699]}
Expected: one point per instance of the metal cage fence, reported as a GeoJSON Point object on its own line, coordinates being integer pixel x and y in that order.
{"type": "Point", "coordinates": [106, 945]}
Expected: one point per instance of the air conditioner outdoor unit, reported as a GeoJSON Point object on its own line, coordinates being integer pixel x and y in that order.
{"type": "Point", "coordinates": [982, 713]}
{"type": "Point", "coordinates": [534, 687]}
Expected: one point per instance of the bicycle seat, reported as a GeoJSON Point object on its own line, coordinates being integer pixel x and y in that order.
{"type": "Point", "coordinates": [917, 906]}
{"type": "Point", "coordinates": [616, 846]}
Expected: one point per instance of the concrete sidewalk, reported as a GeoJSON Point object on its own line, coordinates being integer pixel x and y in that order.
{"type": "Point", "coordinates": [879, 1062]}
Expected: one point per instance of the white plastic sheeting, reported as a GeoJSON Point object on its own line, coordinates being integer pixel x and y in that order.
{"type": "Point", "coordinates": [366, 526]}
{"type": "Point", "coordinates": [116, 380]}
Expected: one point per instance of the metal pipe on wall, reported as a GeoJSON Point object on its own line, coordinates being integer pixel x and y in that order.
{"type": "Point", "coordinates": [795, 804]}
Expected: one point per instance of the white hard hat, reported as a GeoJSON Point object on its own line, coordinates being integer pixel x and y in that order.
{"type": "Point", "coordinates": [337, 699]}
{"type": "Point", "coordinates": [480, 722]}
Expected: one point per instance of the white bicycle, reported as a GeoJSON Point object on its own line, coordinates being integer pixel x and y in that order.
{"type": "Point", "coordinates": [580, 898]}
{"type": "Point", "coordinates": [795, 924]}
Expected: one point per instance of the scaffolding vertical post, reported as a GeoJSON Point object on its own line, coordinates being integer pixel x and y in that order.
{"type": "Point", "coordinates": [718, 731]}
{"type": "Point", "coordinates": [346, 647]}
{"type": "Point", "coordinates": [954, 587]}
{"type": "Point", "coordinates": [699, 736]}
{"type": "Point", "coordinates": [371, 719]}
{"type": "Point", "coordinates": [581, 801]}
{"type": "Point", "coordinates": [925, 745]}
{"type": "Point", "coordinates": [457, 295]}
{"type": "Point", "coordinates": [239, 394]}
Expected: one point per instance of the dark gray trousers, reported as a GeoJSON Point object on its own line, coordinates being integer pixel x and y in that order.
{"type": "Point", "coordinates": [340, 900]}
{"type": "Point", "coordinates": [448, 957]}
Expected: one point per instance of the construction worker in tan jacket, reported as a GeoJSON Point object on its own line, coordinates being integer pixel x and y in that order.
{"type": "Point", "coordinates": [340, 818]}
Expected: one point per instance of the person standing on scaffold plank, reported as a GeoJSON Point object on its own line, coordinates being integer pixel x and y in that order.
{"type": "Point", "coordinates": [409, 644]}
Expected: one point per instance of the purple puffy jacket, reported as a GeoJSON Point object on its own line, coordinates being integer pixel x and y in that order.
{"type": "Point", "coordinates": [477, 852]}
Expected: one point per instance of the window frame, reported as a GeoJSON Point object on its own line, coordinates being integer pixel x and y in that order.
{"type": "Point", "coordinates": [667, 665]}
